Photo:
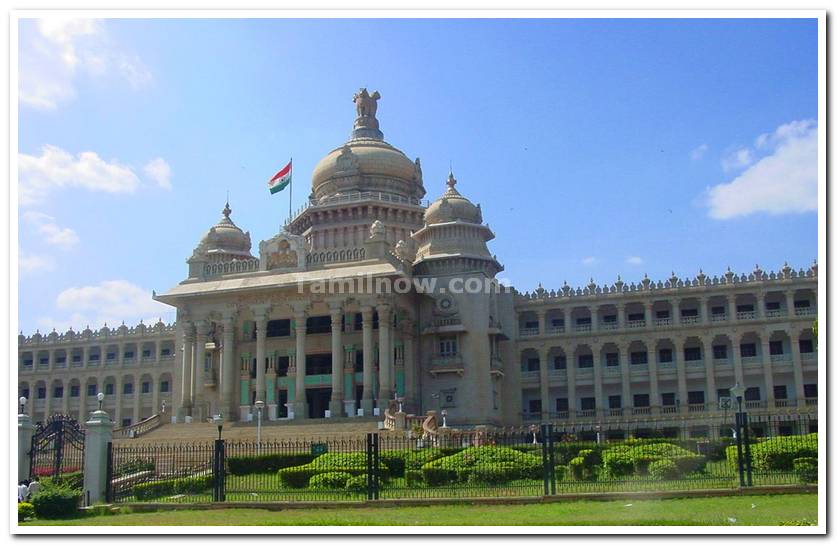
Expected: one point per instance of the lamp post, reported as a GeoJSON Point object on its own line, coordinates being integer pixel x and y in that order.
{"type": "Point", "coordinates": [444, 418]}
{"type": "Point", "coordinates": [22, 403]}
{"type": "Point", "coordinates": [100, 397]}
{"type": "Point", "coordinates": [400, 401]}
{"type": "Point", "coordinates": [742, 435]}
{"type": "Point", "coordinates": [259, 407]}
{"type": "Point", "coordinates": [164, 407]}
{"type": "Point", "coordinates": [218, 420]}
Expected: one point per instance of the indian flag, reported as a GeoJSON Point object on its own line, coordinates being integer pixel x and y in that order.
{"type": "Point", "coordinates": [281, 179]}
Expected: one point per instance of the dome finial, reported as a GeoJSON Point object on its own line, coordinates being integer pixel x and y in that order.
{"type": "Point", "coordinates": [366, 124]}
{"type": "Point", "coordinates": [227, 210]}
{"type": "Point", "coordinates": [451, 180]}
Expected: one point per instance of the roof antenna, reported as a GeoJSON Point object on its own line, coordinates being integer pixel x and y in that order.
{"type": "Point", "coordinates": [228, 196]}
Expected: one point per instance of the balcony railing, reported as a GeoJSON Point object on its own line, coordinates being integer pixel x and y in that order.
{"type": "Point", "coordinates": [689, 320]}
{"type": "Point", "coordinates": [641, 410]}
{"type": "Point", "coordinates": [530, 375]}
{"type": "Point", "coordinates": [751, 360]}
{"type": "Point", "coordinates": [529, 331]}
{"type": "Point", "coordinates": [718, 318]}
{"type": "Point", "coordinates": [755, 404]}
{"type": "Point", "coordinates": [785, 403]}
{"type": "Point", "coordinates": [775, 313]}
{"type": "Point", "coordinates": [662, 322]}
{"type": "Point", "coordinates": [639, 367]}
{"type": "Point", "coordinates": [666, 365]}
{"type": "Point", "coordinates": [808, 356]}
{"type": "Point", "coordinates": [697, 407]}
{"type": "Point", "coordinates": [167, 357]}
{"type": "Point", "coordinates": [608, 326]}
{"type": "Point", "coordinates": [694, 363]}
{"type": "Point", "coordinates": [558, 372]}
{"type": "Point", "coordinates": [613, 370]}
{"type": "Point", "coordinates": [746, 315]}
{"type": "Point", "coordinates": [635, 324]}
{"type": "Point", "coordinates": [552, 330]}
{"type": "Point", "coordinates": [581, 328]}
{"type": "Point", "coordinates": [780, 358]}
{"type": "Point", "coordinates": [721, 361]}
{"type": "Point", "coordinates": [805, 311]}
{"type": "Point", "coordinates": [668, 409]}
{"type": "Point", "coordinates": [810, 401]}
{"type": "Point", "coordinates": [614, 412]}
{"type": "Point", "coordinates": [586, 413]}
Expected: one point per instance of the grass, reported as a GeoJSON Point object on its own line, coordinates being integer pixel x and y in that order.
{"type": "Point", "coordinates": [732, 511]}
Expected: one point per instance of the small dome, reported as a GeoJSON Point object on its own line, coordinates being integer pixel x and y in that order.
{"type": "Point", "coordinates": [226, 238]}
{"type": "Point", "coordinates": [452, 206]}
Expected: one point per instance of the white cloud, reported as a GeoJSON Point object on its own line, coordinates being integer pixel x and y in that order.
{"type": "Point", "coordinates": [55, 168]}
{"type": "Point", "coordinates": [62, 237]}
{"type": "Point", "coordinates": [31, 263]}
{"type": "Point", "coordinates": [698, 153]}
{"type": "Point", "coordinates": [737, 160]}
{"type": "Point", "coordinates": [634, 260]}
{"type": "Point", "coordinates": [54, 51]}
{"type": "Point", "coordinates": [589, 260]}
{"type": "Point", "coordinates": [110, 302]}
{"type": "Point", "coordinates": [159, 171]}
{"type": "Point", "coordinates": [783, 181]}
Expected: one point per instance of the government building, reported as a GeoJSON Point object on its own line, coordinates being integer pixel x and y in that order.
{"type": "Point", "coordinates": [369, 295]}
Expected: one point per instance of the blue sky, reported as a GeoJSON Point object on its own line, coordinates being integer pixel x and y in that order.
{"type": "Point", "coordinates": [595, 147]}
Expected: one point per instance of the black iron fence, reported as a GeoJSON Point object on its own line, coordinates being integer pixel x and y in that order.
{"type": "Point", "coordinates": [533, 461]}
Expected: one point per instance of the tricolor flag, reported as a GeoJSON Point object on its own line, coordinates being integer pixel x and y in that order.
{"type": "Point", "coordinates": [281, 179]}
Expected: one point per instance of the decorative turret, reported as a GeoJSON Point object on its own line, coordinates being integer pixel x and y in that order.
{"type": "Point", "coordinates": [223, 242]}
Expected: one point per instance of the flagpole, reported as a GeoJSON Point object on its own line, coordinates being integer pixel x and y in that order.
{"type": "Point", "coordinates": [291, 196]}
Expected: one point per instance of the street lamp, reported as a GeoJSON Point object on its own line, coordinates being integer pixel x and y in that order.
{"type": "Point", "coordinates": [737, 392]}
{"type": "Point", "coordinates": [22, 402]}
{"type": "Point", "coordinates": [100, 397]}
{"type": "Point", "coordinates": [742, 435]}
{"type": "Point", "coordinates": [164, 406]}
{"type": "Point", "coordinates": [444, 418]}
{"type": "Point", "coordinates": [400, 401]}
{"type": "Point", "coordinates": [259, 407]}
{"type": "Point", "coordinates": [218, 420]}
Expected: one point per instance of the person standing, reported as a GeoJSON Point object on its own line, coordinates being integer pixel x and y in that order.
{"type": "Point", "coordinates": [22, 491]}
{"type": "Point", "coordinates": [34, 488]}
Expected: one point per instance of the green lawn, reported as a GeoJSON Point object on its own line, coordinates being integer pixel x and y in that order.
{"type": "Point", "coordinates": [735, 510]}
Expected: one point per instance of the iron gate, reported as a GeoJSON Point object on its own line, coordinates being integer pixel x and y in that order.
{"type": "Point", "coordinates": [57, 448]}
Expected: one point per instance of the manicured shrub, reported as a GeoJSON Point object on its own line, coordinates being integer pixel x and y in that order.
{"type": "Point", "coordinates": [560, 472]}
{"type": "Point", "coordinates": [74, 480]}
{"type": "Point", "coordinates": [413, 477]}
{"type": "Point", "coordinates": [664, 469]}
{"type": "Point", "coordinates": [437, 476]}
{"type": "Point", "coordinates": [56, 502]}
{"type": "Point", "coordinates": [460, 466]}
{"type": "Point", "coordinates": [353, 463]}
{"type": "Point", "coordinates": [806, 469]}
{"type": "Point", "coordinates": [493, 474]}
{"type": "Point", "coordinates": [266, 463]}
{"type": "Point", "coordinates": [171, 487]}
{"type": "Point", "coordinates": [25, 510]}
{"type": "Point", "coordinates": [617, 463]}
{"type": "Point", "coordinates": [566, 451]}
{"type": "Point", "coordinates": [357, 483]}
{"type": "Point", "coordinates": [778, 454]}
{"type": "Point", "coordinates": [583, 467]}
{"type": "Point", "coordinates": [334, 480]}
{"type": "Point", "coordinates": [399, 461]}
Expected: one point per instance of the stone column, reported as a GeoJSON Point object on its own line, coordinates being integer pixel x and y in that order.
{"type": "Point", "coordinates": [675, 311]}
{"type": "Point", "coordinates": [543, 370]}
{"type": "Point", "coordinates": [625, 370]}
{"type": "Point", "coordinates": [51, 361]}
{"type": "Point", "coordinates": [188, 343]}
{"type": "Point", "coordinates": [541, 321]}
{"type": "Point", "coordinates": [229, 370]}
{"type": "Point", "coordinates": [65, 399]}
{"type": "Point", "coordinates": [48, 400]}
{"type": "Point", "coordinates": [703, 308]}
{"type": "Point", "coordinates": [571, 386]}
{"type": "Point", "coordinates": [384, 356]}
{"type": "Point", "coordinates": [798, 377]}
{"type": "Point", "coordinates": [682, 389]}
{"type": "Point", "coordinates": [568, 315]}
{"type": "Point", "coordinates": [119, 384]}
{"type": "Point", "coordinates": [82, 400]}
{"type": "Point", "coordinates": [410, 388]}
{"type": "Point", "coordinates": [120, 358]}
{"type": "Point", "coordinates": [789, 298]}
{"type": "Point", "coordinates": [155, 395]}
{"type": "Point", "coordinates": [335, 405]}
{"type": "Point", "coordinates": [649, 314]}
{"type": "Point", "coordinates": [594, 320]}
{"type": "Point", "coordinates": [709, 366]}
{"type": "Point", "coordinates": [366, 402]}
{"type": "Point", "coordinates": [201, 332]}
{"type": "Point", "coordinates": [98, 433]}
{"type": "Point", "coordinates": [349, 402]}
{"type": "Point", "coordinates": [158, 352]}
{"type": "Point", "coordinates": [300, 322]}
{"type": "Point", "coordinates": [597, 379]}
{"type": "Point", "coordinates": [737, 365]}
{"type": "Point", "coordinates": [25, 431]}
{"type": "Point", "coordinates": [261, 338]}
{"type": "Point", "coordinates": [733, 314]}
{"type": "Point", "coordinates": [767, 365]}
{"type": "Point", "coordinates": [137, 396]}
{"type": "Point", "coordinates": [653, 379]}
{"type": "Point", "coordinates": [620, 315]}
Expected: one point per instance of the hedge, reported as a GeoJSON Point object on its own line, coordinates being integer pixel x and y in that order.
{"type": "Point", "coordinates": [400, 461]}
{"type": "Point", "coordinates": [266, 463]}
{"type": "Point", "coordinates": [74, 480]}
{"type": "Point", "coordinates": [663, 469]}
{"type": "Point", "coordinates": [357, 483]}
{"type": "Point", "coordinates": [353, 463]}
{"type": "Point", "coordinates": [25, 510]}
{"type": "Point", "coordinates": [56, 502]}
{"type": "Point", "coordinates": [492, 463]}
{"type": "Point", "coordinates": [333, 480]}
{"type": "Point", "coordinates": [778, 453]}
{"type": "Point", "coordinates": [170, 487]}
{"type": "Point", "coordinates": [624, 459]}
{"type": "Point", "coordinates": [806, 469]}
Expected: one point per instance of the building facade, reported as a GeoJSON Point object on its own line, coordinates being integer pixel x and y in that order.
{"type": "Point", "coordinates": [369, 294]}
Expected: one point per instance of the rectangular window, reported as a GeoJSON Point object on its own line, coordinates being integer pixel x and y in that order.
{"type": "Point", "coordinates": [585, 361]}
{"type": "Point", "coordinates": [668, 399]}
{"type": "Point", "coordinates": [691, 353]}
{"type": "Point", "coordinates": [533, 364]}
{"type": "Point", "coordinates": [282, 364]}
{"type": "Point", "coordinates": [612, 359]}
{"type": "Point", "coordinates": [27, 362]}
{"type": "Point", "coordinates": [126, 422]}
{"type": "Point", "coordinates": [638, 358]}
{"type": "Point", "coordinates": [719, 311]}
{"type": "Point", "coordinates": [560, 362]}
{"type": "Point", "coordinates": [531, 325]}
{"type": "Point", "coordinates": [358, 321]}
{"type": "Point", "coordinates": [780, 392]}
{"type": "Point", "coordinates": [146, 387]}
{"type": "Point", "coordinates": [318, 324]}
{"type": "Point", "coordinates": [636, 316]}
{"type": "Point", "coordinates": [164, 386]}
{"type": "Point", "coordinates": [25, 393]}
{"type": "Point", "coordinates": [278, 328]}
{"type": "Point", "coordinates": [773, 305]}
{"type": "Point", "coordinates": [614, 402]}
{"type": "Point", "coordinates": [689, 312]}
{"type": "Point", "coordinates": [719, 351]}
{"type": "Point", "coordinates": [642, 400]}
{"type": "Point", "coordinates": [776, 348]}
{"type": "Point", "coordinates": [94, 357]}
{"type": "Point", "coordinates": [562, 404]}
{"type": "Point", "coordinates": [662, 314]}
{"type": "Point", "coordinates": [748, 350]}
{"type": "Point", "coordinates": [752, 394]}
{"type": "Point", "coordinates": [447, 346]}
{"type": "Point", "coordinates": [696, 397]}
{"type": "Point", "coordinates": [810, 390]}
{"type": "Point", "coordinates": [318, 364]}
{"type": "Point", "coordinates": [583, 321]}
{"type": "Point", "coordinates": [806, 346]}
{"type": "Point", "coordinates": [146, 353]}
{"type": "Point", "coordinates": [61, 359]}
{"type": "Point", "coordinates": [723, 392]}
{"type": "Point", "coordinates": [745, 308]}
{"type": "Point", "coordinates": [111, 356]}
{"type": "Point", "coordinates": [58, 392]}
{"type": "Point", "coordinates": [91, 389]}
{"type": "Point", "coordinates": [128, 388]}
{"type": "Point", "coordinates": [41, 393]}
{"type": "Point", "coordinates": [76, 358]}
{"type": "Point", "coordinates": [802, 303]}
{"type": "Point", "coordinates": [609, 319]}
{"type": "Point", "coordinates": [109, 389]}
{"type": "Point", "coordinates": [588, 403]}
{"type": "Point", "coordinates": [359, 361]}
{"type": "Point", "coordinates": [45, 360]}
{"type": "Point", "coordinates": [557, 322]}
{"type": "Point", "coordinates": [74, 390]}
{"type": "Point", "coordinates": [165, 352]}
{"type": "Point", "coordinates": [666, 355]}
{"type": "Point", "coordinates": [129, 355]}
{"type": "Point", "coordinates": [535, 406]}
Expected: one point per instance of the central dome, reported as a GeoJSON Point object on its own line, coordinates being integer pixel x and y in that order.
{"type": "Point", "coordinates": [366, 162]}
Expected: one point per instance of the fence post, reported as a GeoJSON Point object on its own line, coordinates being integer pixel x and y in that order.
{"type": "Point", "coordinates": [219, 472]}
{"type": "Point", "coordinates": [24, 446]}
{"type": "Point", "coordinates": [747, 458]}
{"type": "Point", "coordinates": [369, 469]}
{"type": "Point", "coordinates": [545, 458]}
{"type": "Point", "coordinates": [551, 458]}
{"type": "Point", "coordinates": [99, 432]}
{"type": "Point", "coordinates": [376, 465]}
{"type": "Point", "coordinates": [739, 449]}
{"type": "Point", "coordinates": [108, 477]}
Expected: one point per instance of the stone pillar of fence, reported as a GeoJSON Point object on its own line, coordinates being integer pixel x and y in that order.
{"type": "Point", "coordinates": [99, 432]}
{"type": "Point", "coordinates": [24, 446]}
